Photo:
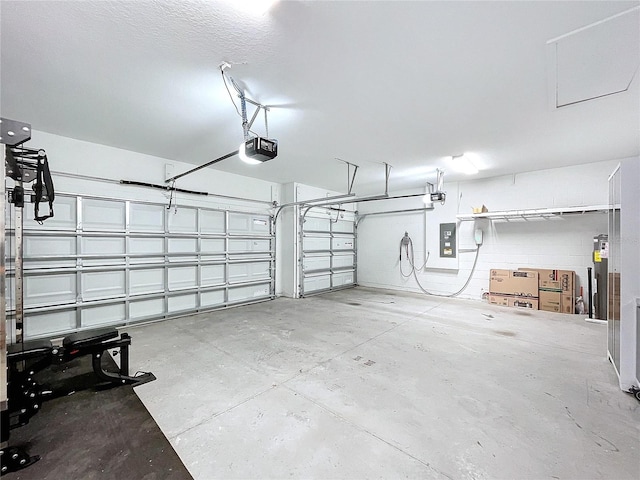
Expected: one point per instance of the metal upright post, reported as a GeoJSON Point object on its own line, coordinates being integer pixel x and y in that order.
{"type": "Point", "coordinates": [12, 133]}
{"type": "Point", "coordinates": [18, 272]}
{"type": "Point", "coordinates": [4, 407]}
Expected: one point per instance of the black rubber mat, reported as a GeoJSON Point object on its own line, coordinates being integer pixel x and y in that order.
{"type": "Point", "coordinates": [87, 432]}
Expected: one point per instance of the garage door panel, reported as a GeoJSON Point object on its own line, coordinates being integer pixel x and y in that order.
{"type": "Point", "coordinates": [183, 245]}
{"type": "Point", "coordinates": [342, 243]}
{"type": "Point", "coordinates": [343, 226]}
{"type": "Point", "coordinates": [48, 245]}
{"type": "Point", "coordinates": [249, 272]}
{"type": "Point", "coordinates": [182, 277]}
{"type": "Point", "coordinates": [311, 263]}
{"type": "Point", "coordinates": [102, 215]}
{"type": "Point", "coordinates": [317, 224]}
{"type": "Point", "coordinates": [341, 279]}
{"type": "Point", "coordinates": [153, 307]}
{"type": "Point", "coordinates": [212, 245]}
{"type": "Point", "coordinates": [184, 220]}
{"type": "Point", "coordinates": [212, 222]}
{"type": "Point", "coordinates": [146, 218]}
{"type": "Point", "coordinates": [92, 316]}
{"type": "Point", "coordinates": [313, 284]}
{"type": "Point", "coordinates": [146, 245]}
{"type": "Point", "coordinates": [212, 298]}
{"type": "Point", "coordinates": [343, 261]}
{"type": "Point", "coordinates": [146, 280]}
{"type": "Point", "coordinates": [245, 224]}
{"type": "Point", "coordinates": [248, 245]}
{"type": "Point", "coordinates": [316, 243]}
{"type": "Point", "coordinates": [248, 293]}
{"type": "Point", "coordinates": [182, 303]}
{"type": "Point", "coordinates": [37, 324]}
{"type": "Point", "coordinates": [212, 275]}
{"type": "Point", "coordinates": [103, 245]}
{"type": "Point", "coordinates": [66, 215]}
{"type": "Point", "coordinates": [45, 290]}
{"type": "Point", "coordinates": [99, 285]}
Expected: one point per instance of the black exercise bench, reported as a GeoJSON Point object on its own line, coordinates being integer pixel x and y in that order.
{"type": "Point", "coordinates": [28, 358]}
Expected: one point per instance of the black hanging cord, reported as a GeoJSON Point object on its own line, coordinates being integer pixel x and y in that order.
{"type": "Point", "coordinates": [410, 257]}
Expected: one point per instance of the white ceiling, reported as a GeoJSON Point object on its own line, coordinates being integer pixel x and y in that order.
{"type": "Point", "coordinates": [407, 83]}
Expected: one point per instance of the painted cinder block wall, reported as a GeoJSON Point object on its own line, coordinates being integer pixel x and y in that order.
{"type": "Point", "coordinates": [564, 242]}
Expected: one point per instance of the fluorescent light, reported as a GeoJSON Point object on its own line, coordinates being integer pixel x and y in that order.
{"type": "Point", "coordinates": [464, 164]}
{"type": "Point", "coordinates": [244, 158]}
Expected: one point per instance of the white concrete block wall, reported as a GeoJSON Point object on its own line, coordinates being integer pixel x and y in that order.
{"type": "Point", "coordinates": [564, 243]}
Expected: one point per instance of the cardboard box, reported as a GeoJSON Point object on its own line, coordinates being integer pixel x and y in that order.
{"type": "Point", "coordinates": [481, 209]}
{"type": "Point", "coordinates": [613, 283]}
{"type": "Point", "coordinates": [613, 296]}
{"type": "Point", "coordinates": [567, 304]}
{"type": "Point", "coordinates": [514, 301]}
{"type": "Point", "coordinates": [514, 282]}
{"type": "Point", "coordinates": [614, 309]}
{"type": "Point", "coordinates": [550, 300]}
{"type": "Point", "coordinates": [564, 280]}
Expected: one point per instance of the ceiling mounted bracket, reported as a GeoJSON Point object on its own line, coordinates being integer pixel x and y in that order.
{"type": "Point", "coordinates": [247, 124]}
{"type": "Point", "coordinates": [387, 173]}
{"type": "Point", "coordinates": [350, 179]}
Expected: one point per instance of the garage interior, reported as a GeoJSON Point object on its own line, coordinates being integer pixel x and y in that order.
{"type": "Point", "coordinates": [320, 239]}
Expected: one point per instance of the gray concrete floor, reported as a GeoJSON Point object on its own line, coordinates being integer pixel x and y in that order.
{"type": "Point", "coordinates": [366, 383]}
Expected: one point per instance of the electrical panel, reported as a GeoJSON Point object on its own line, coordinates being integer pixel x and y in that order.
{"type": "Point", "coordinates": [448, 240]}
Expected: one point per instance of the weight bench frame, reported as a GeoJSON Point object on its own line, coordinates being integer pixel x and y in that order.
{"type": "Point", "coordinates": [92, 342]}
{"type": "Point", "coordinates": [96, 348]}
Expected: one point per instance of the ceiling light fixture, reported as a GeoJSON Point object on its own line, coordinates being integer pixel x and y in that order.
{"type": "Point", "coordinates": [464, 164]}
{"type": "Point", "coordinates": [243, 156]}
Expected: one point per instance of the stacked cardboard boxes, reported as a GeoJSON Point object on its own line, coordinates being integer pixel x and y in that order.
{"type": "Point", "coordinates": [514, 288]}
{"type": "Point", "coordinates": [556, 289]}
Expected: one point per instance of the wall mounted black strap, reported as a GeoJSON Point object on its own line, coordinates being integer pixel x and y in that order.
{"type": "Point", "coordinates": [43, 188]}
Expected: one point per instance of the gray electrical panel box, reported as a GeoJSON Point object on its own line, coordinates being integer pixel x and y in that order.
{"type": "Point", "coordinates": [448, 240]}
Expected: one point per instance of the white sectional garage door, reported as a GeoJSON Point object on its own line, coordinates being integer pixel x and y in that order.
{"type": "Point", "coordinates": [328, 252]}
{"type": "Point", "coordinates": [105, 262]}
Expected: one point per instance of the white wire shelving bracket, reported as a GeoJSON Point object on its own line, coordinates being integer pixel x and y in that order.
{"type": "Point", "coordinates": [535, 213]}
